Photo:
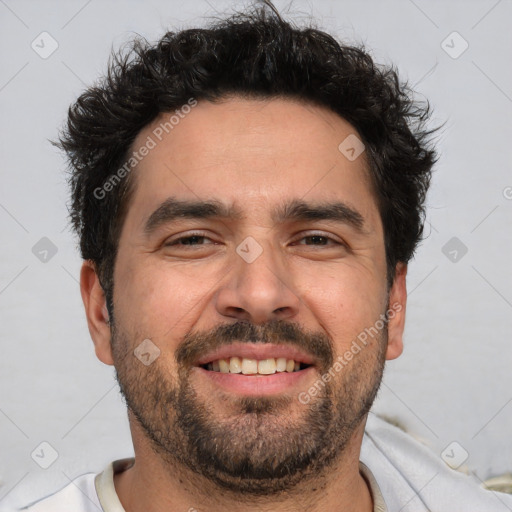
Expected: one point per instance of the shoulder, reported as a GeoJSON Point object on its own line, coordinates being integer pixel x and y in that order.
{"type": "Point", "coordinates": [77, 496]}
{"type": "Point", "coordinates": [412, 478]}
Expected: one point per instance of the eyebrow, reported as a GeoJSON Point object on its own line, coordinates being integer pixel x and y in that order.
{"type": "Point", "coordinates": [336, 211]}
{"type": "Point", "coordinates": [173, 209]}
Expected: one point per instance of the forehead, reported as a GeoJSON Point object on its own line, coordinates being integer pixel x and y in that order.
{"type": "Point", "coordinates": [252, 153]}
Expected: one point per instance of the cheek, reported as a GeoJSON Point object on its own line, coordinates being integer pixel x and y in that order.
{"type": "Point", "coordinates": [342, 302]}
{"type": "Point", "coordinates": [162, 300]}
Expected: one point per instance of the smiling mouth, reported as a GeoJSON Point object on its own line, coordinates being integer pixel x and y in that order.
{"type": "Point", "coordinates": [248, 366]}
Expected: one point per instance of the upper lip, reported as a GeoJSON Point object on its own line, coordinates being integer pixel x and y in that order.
{"type": "Point", "coordinates": [256, 350]}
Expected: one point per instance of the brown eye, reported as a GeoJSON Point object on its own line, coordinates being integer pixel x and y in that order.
{"type": "Point", "coordinates": [194, 239]}
{"type": "Point", "coordinates": [317, 240]}
{"type": "Point", "coordinates": [189, 240]}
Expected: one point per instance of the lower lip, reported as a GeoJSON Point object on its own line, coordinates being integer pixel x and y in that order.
{"type": "Point", "coordinates": [255, 385]}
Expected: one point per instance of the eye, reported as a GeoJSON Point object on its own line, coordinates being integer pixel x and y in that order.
{"type": "Point", "coordinates": [193, 239]}
{"type": "Point", "coordinates": [319, 240]}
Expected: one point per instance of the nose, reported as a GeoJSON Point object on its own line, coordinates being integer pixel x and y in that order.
{"type": "Point", "coordinates": [258, 291]}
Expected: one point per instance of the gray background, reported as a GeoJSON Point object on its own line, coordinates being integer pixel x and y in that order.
{"type": "Point", "coordinates": [453, 382]}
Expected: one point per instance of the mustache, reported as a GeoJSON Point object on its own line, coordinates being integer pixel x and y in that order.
{"type": "Point", "coordinates": [317, 344]}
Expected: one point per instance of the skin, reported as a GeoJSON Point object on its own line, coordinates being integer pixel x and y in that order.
{"type": "Point", "coordinates": [256, 155]}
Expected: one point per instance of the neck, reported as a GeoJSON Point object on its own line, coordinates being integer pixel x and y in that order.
{"type": "Point", "coordinates": [150, 485]}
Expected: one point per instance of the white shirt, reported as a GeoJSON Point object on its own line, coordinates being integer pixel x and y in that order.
{"type": "Point", "coordinates": [403, 475]}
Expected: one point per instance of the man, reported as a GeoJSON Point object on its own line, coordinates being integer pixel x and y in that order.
{"type": "Point", "coordinates": [247, 198]}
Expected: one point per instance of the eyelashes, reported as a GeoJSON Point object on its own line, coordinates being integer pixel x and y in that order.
{"type": "Point", "coordinates": [194, 239]}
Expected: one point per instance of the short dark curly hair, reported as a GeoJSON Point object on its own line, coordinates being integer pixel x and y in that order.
{"type": "Point", "coordinates": [252, 54]}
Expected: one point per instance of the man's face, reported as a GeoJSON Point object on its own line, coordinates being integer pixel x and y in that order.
{"type": "Point", "coordinates": [287, 261]}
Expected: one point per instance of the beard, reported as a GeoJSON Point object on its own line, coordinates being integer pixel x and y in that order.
{"type": "Point", "coordinates": [258, 446]}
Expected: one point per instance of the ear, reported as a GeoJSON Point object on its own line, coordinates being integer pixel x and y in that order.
{"type": "Point", "coordinates": [96, 311]}
{"type": "Point", "coordinates": [397, 303]}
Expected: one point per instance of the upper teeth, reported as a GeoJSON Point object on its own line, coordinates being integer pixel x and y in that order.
{"type": "Point", "coordinates": [252, 366]}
